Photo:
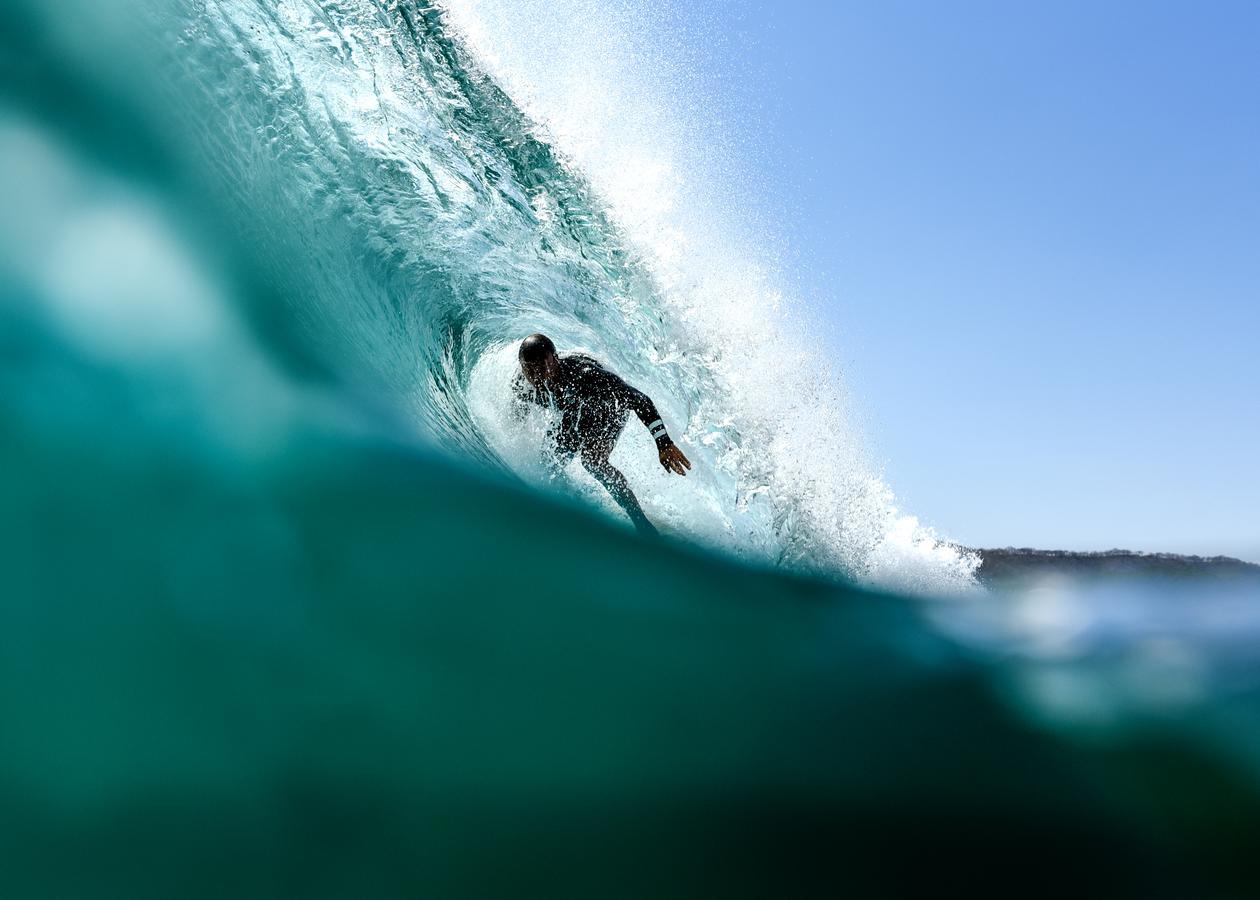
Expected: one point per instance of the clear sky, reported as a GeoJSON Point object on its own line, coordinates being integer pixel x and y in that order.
{"type": "Point", "coordinates": [1032, 232]}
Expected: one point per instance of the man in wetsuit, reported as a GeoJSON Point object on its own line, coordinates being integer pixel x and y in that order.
{"type": "Point", "coordinates": [594, 405]}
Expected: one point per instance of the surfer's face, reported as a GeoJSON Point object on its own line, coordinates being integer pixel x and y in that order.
{"type": "Point", "coordinates": [541, 372]}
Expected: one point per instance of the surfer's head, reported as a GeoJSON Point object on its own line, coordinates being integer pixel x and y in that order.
{"type": "Point", "coordinates": [538, 359]}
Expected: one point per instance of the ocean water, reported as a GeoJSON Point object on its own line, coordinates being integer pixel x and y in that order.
{"type": "Point", "coordinates": [290, 607]}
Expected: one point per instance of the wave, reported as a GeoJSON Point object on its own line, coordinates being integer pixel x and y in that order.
{"type": "Point", "coordinates": [405, 223]}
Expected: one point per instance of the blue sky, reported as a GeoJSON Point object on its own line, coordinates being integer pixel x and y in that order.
{"type": "Point", "coordinates": [1032, 233]}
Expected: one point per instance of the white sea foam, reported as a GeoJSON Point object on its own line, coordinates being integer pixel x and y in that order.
{"type": "Point", "coordinates": [611, 85]}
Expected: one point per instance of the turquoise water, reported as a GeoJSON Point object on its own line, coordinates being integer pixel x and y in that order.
{"type": "Point", "coordinates": [287, 608]}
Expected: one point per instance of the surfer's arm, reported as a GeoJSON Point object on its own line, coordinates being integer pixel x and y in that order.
{"type": "Point", "coordinates": [523, 394]}
{"type": "Point", "coordinates": [673, 459]}
{"type": "Point", "coordinates": [563, 443]}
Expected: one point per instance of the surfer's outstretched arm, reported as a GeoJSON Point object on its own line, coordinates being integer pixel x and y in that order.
{"type": "Point", "coordinates": [672, 459]}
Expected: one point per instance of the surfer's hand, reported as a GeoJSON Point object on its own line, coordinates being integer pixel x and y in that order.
{"type": "Point", "coordinates": [674, 460]}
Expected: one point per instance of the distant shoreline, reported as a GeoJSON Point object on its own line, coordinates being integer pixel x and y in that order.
{"type": "Point", "coordinates": [1006, 565]}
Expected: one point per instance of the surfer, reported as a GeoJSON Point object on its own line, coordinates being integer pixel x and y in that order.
{"type": "Point", "coordinates": [594, 405]}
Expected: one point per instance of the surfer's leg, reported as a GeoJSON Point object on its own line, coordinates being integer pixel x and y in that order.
{"type": "Point", "coordinates": [595, 461]}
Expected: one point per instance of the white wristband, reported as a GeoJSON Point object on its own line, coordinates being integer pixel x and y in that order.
{"type": "Point", "coordinates": [657, 430]}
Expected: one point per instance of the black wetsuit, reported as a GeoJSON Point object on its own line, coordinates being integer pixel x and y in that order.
{"type": "Point", "coordinates": [594, 405]}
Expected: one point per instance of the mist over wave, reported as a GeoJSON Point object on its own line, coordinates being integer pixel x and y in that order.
{"type": "Point", "coordinates": [611, 87]}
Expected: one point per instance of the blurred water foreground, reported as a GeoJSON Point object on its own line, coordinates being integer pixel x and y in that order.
{"type": "Point", "coordinates": [259, 639]}
{"type": "Point", "coordinates": [358, 671]}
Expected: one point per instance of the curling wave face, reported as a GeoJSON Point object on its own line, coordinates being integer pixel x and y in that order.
{"type": "Point", "coordinates": [404, 224]}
